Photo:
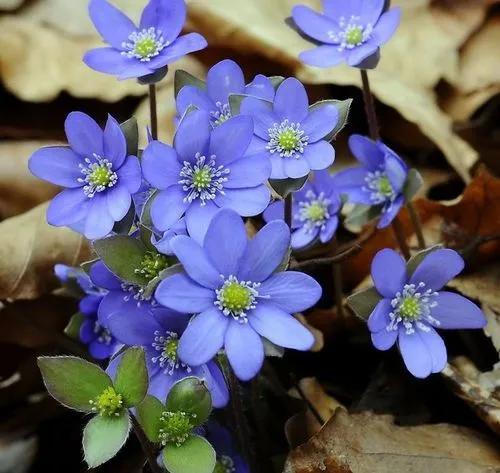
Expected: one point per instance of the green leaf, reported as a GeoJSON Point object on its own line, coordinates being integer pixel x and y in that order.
{"type": "Point", "coordinates": [122, 255]}
{"type": "Point", "coordinates": [73, 328]}
{"type": "Point", "coordinates": [236, 99]}
{"type": "Point", "coordinates": [103, 437]}
{"type": "Point", "coordinates": [131, 380]}
{"type": "Point", "coordinates": [362, 214]}
{"type": "Point", "coordinates": [195, 455]}
{"type": "Point", "coordinates": [190, 395]}
{"type": "Point", "coordinates": [154, 77]}
{"type": "Point", "coordinates": [131, 132]}
{"type": "Point", "coordinates": [72, 381]}
{"type": "Point", "coordinates": [86, 265]}
{"type": "Point", "coordinates": [343, 107]}
{"type": "Point", "coordinates": [149, 412]}
{"type": "Point", "coordinates": [412, 184]}
{"type": "Point", "coordinates": [183, 78]}
{"type": "Point", "coordinates": [283, 187]}
{"type": "Point", "coordinates": [362, 303]}
{"type": "Point", "coordinates": [166, 273]}
{"type": "Point", "coordinates": [417, 258]}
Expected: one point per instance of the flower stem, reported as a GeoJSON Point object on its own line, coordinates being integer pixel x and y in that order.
{"type": "Point", "coordinates": [153, 112]}
{"type": "Point", "coordinates": [147, 447]}
{"type": "Point", "coordinates": [417, 225]}
{"type": "Point", "coordinates": [337, 290]}
{"type": "Point", "coordinates": [400, 237]}
{"type": "Point", "coordinates": [371, 114]}
{"type": "Point", "coordinates": [288, 210]}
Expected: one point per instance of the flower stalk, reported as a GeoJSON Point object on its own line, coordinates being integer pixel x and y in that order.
{"type": "Point", "coordinates": [153, 111]}
{"type": "Point", "coordinates": [147, 447]}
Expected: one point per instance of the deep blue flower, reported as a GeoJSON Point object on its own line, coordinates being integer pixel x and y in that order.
{"type": "Point", "coordinates": [233, 286]}
{"type": "Point", "coordinates": [413, 306]}
{"type": "Point", "coordinates": [379, 181]}
{"type": "Point", "coordinates": [98, 176]}
{"type": "Point", "coordinates": [348, 31]}
{"type": "Point", "coordinates": [290, 133]}
{"type": "Point", "coordinates": [315, 211]}
{"type": "Point", "coordinates": [158, 332]}
{"type": "Point", "coordinates": [205, 170]}
{"type": "Point", "coordinates": [223, 79]}
{"type": "Point", "coordinates": [140, 51]}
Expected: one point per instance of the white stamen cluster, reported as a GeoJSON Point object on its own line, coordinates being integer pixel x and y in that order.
{"type": "Point", "coordinates": [167, 345]}
{"type": "Point", "coordinates": [136, 292]}
{"type": "Point", "coordinates": [287, 139]}
{"type": "Point", "coordinates": [313, 212]}
{"type": "Point", "coordinates": [352, 33]}
{"type": "Point", "coordinates": [222, 114]}
{"type": "Point", "coordinates": [379, 186]}
{"type": "Point", "coordinates": [103, 334]}
{"type": "Point", "coordinates": [98, 173]}
{"type": "Point", "coordinates": [144, 44]}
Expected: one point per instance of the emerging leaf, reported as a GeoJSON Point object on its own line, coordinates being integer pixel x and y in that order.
{"type": "Point", "coordinates": [183, 78]}
{"type": "Point", "coordinates": [131, 132]}
{"type": "Point", "coordinates": [362, 214]}
{"type": "Point", "coordinates": [412, 184]}
{"type": "Point", "coordinates": [283, 187]}
{"type": "Point", "coordinates": [343, 107]}
{"type": "Point", "coordinates": [131, 379]}
{"type": "Point", "coordinates": [73, 328]}
{"type": "Point", "coordinates": [362, 303]}
{"type": "Point", "coordinates": [195, 455]}
{"type": "Point", "coordinates": [149, 412]}
{"type": "Point", "coordinates": [417, 258]}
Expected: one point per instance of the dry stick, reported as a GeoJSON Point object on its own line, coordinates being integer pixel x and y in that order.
{"type": "Point", "coordinates": [146, 446]}
{"type": "Point", "coordinates": [152, 111]}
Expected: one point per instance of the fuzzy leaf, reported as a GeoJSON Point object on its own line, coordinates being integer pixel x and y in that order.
{"type": "Point", "coordinates": [131, 132]}
{"type": "Point", "coordinates": [73, 328]}
{"type": "Point", "coordinates": [131, 380]}
{"type": "Point", "coordinates": [122, 255]}
{"type": "Point", "coordinates": [149, 412]}
{"type": "Point", "coordinates": [192, 396]}
{"type": "Point", "coordinates": [414, 182]}
{"type": "Point", "coordinates": [417, 258]}
{"type": "Point", "coordinates": [362, 303]}
{"type": "Point", "coordinates": [343, 107]}
{"type": "Point", "coordinates": [72, 381]}
{"type": "Point", "coordinates": [183, 78]}
{"type": "Point", "coordinates": [103, 437]}
{"type": "Point", "coordinates": [195, 455]}
{"type": "Point", "coordinates": [283, 187]}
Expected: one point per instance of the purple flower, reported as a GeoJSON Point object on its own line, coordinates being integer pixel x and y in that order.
{"type": "Point", "coordinates": [228, 458]}
{"type": "Point", "coordinates": [414, 305]}
{"type": "Point", "coordinates": [140, 51]}
{"type": "Point", "coordinates": [223, 79]}
{"type": "Point", "coordinates": [233, 286]}
{"type": "Point", "coordinates": [315, 211]}
{"type": "Point", "coordinates": [205, 170]}
{"type": "Point", "coordinates": [290, 133]}
{"type": "Point", "coordinates": [158, 333]}
{"type": "Point", "coordinates": [162, 244]}
{"type": "Point", "coordinates": [98, 176]}
{"type": "Point", "coordinates": [379, 181]}
{"type": "Point", "coordinates": [348, 31]}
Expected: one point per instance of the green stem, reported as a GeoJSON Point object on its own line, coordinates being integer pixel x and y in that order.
{"type": "Point", "coordinates": [152, 111]}
{"type": "Point", "coordinates": [417, 225]}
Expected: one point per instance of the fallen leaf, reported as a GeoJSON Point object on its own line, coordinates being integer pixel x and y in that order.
{"type": "Point", "coordinates": [369, 443]}
{"type": "Point", "coordinates": [10, 4]}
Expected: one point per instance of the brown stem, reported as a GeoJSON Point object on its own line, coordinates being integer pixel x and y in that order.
{"type": "Point", "coordinates": [400, 237]}
{"type": "Point", "coordinates": [288, 210]}
{"type": "Point", "coordinates": [308, 403]}
{"type": "Point", "coordinates": [371, 115]}
{"type": "Point", "coordinates": [146, 445]}
{"type": "Point", "coordinates": [417, 225]}
{"type": "Point", "coordinates": [152, 111]}
{"type": "Point", "coordinates": [337, 290]}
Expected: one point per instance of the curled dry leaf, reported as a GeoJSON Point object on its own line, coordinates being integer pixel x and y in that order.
{"type": "Point", "coordinates": [29, 249]}
{"type": "Point", "coordinates": [369, 443]}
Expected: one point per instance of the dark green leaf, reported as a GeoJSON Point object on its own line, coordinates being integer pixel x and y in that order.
{"type": "Point", "coordinates": [149, 412]}
{"type": "Point", "coordinates": [72, 381]}
{"type": "Point", "coordinates": [343, 107]}
{"type": "Point", "coordinates": [362, 303]}
{"type": "Point", "coordinates": [417, 258]}
{"type": "Point", "coordinates": [153, 78]}
{"type": "Point", "coordinates": [362, 214]}
{"type": "Point", "coordinates": [73, 328]}
{"type": "Point", "coordinates": [413, 183]}
{"type": "Point", "coordinates": [283, 187]}
{"type": "Point", "coordinates": [131, 380]}
{"type": "Point", "coordinates": [131, 132]}
{"type": "Point", "coordinates": [146, 212]}
{"type": "Point", "coordinates": [166, 273]}
{"type": "Point", "coordinates": [183, 78]}
{"type": "Point", "coordinates": [195, 455]}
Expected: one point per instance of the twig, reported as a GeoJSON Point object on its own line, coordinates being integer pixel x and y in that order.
{"type": "Point", "coordinates": [152, 111]}
{"type": "Point", "coordinates": [146, 446]}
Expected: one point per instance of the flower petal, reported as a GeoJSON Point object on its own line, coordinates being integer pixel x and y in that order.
{"type": "Point", "coordinates": [296, 167]}
{"type": "Point", "coordinates": [129, 175]}
{"type": "Point", "coordinates": [436, 348]}
{"type": "Point", "coordinates": [195, 346]}
{"type": "Point", "coordinates": [160, 165]}
{"type": "Point", "coordinates": [160, 383]}
{"type": "Point", "coordinates": [245, 201]}
{"type": "Point", "coordinates": [303, 237]}
{"type": "Point", "coordinates": [198, 218]}
{"type": "Point", "coordinates": [291, 101]}
{"type": "Point", "coordinates": [416, 355]}
{"type": "Point", "coordinates": [396, 171]}
{"type": "Point", "coordinates": [193, 135]}
{"type": "Point", "coordinates": [216, 384]}
{"type": "Point", "coordinates": [261, 87]}
{"type": "Point", "coordinates": [119, 200]}
{"type": "Point", "coordinates": [193, 96]}
{"type": "Point", "coordinates": [230, 140]}
{"type": "Point", "coordinates": [225, 78]}
{"type": "Point", "coordinates": [68, 207]}
{"type": "Point", "coordinates": [168, 16]}
{"type": "Point", "coordinates": [280, 327]}
{"type": "Point", "coordinates": [262, 113]}
{"type": "Point", "coordinates": [277, 167]}
{"type": "Point", "coordinates": [114, 143]}
{"type": "Point", "coordinates": [359, 54]}
{"type": "Point", "coordinates": [138, 331]}
{"type": "Point", "coordinates": [111, 61]}
{"type": "Point", "coordinates": [58, 165]}
{"type": "Point", "coordinates": [319, 155]}
{"type": "Point", "coordinates": [179, 292]}
{"type": "Point", "coordinates": [390, 213]}
{"type": "Point", "coordinates": [379, 318]}
{"type": "Point", "coordinates": [275, 211]}
{"type": "Point", "coordinates": [322, 119]}
{"type": "Point", "coordinates": [102, 277]}
{"type": "Point", "coordinates": [388, 271]}
{"type": "Point", "coordinates": [168, 207]}
{"type": "Point", "coordinates": [384, 339]}
{"type": "Point", "coordinates": [457, 312]}
{"type": "Point", "coordinates": [322, 56]}
{"type": "Point", "coordinates": [265, 252]}
{"type": "Point", "coordinates": [84, 135]}
{"type": "Point", "coordinates": [291, 291]}
{"type": "Point", "coordinates": [183, 45]}
{"type": "Point", "coordinates": [437, 268]}
{"type": "Point", "coordinates": [366, 152]}
{"type": "Point", "coordinates": [314, 24]}
{"type": "Point", "coordinates": [386, 26]}
{"type": "Point", "coordinates": [327, 233]}
{"type": "Point", "coordinates": [244, 349]}
{"type": "Point", "coordinates": [99, 222]}
{"type": "Point", "coordinates": [249, 171]}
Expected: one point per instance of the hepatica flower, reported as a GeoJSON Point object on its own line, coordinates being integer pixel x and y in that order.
{"type": "Point", "coordinates": [205, 170]}
{"type": "Point", "coordinates": [315, 211]}
{"type": "Point", "coordinates": [414, 305]}
{"type": "Point", "coordinates": [98, 176]}
{"type": "Point", "coordinates": [347, 31]}
{"type": "Point", "coordinates": [379, 181]}
{"type": "Point", "coordinates": [290, 133]}
{"type": "Point", "coordinates": [158, 333]}
{"type": "Point", "coordinates": [223, 79]}
{"type": "Point", "coordinates": [140, 51]}
{"type": "Point", "coordinates": [232, 286]}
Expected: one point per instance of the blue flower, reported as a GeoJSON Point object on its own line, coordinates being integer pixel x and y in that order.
{"type": "Point", "coordinates": [315, 211]}
{"type": "Point", "coordinates": [223, 79]}
{"type": "Point", "coordinates": [348, 31]}
{"type": "Point", "coordinates": [162, 244]}
{"type": "Point", "coordinates": [233, 286]}
{"type": "Point", "coordinates": [158, 332]}
{"type": "Point", "coordinates": [290, 133]}
{"type": "Point", "coordinates": [205, 170]}
{"type": "Point", "coordinates": [98, 176]}
{"type": "Point", "coordinates": [379, 181]}
{"type": "Point", "coordinates": [140, 51]}
{"type": "Point", "coordinates": [413, 306]}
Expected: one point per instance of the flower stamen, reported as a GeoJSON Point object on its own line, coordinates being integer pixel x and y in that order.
{"type": "Point", "coordinates": [313, 212]}
{"type": "Point", "coordinates": [235, 298]}
{"type": "Point", "coordinates": [352, 33]}
{"type": "Point", "coordinates": [287, 139]}
{"type": "Point", "coordinates": [108, 403]}
{"type": "Point", "coordinates": [175, 427]}
{"type": "Point", "coordinates": [99, 175]}
{"type": "Point", "coordinates": [167, 344]}
{"type": "Point", "coordinates": [144, 44]}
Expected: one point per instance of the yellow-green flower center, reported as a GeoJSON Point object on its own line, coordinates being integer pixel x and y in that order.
{"type": "Point", "coordinates": [202, 178]}
{"type": "Point", "coordinates": [108, 403]}
{"type": "Point", "coordinates": [410, 308]}
{"type": "Point", "coordinates": [175, 427]}
{"type": "Point", "coordinates": [384, 186]}
{"type": "Point", "coordinates": [100, 176]}
{"type": "Point", "coordinates": [316, 212]}
{"type": "Point", "coordinates": [170, 349]}
{"type": "Point", "coordinates": [146, 47]}
{"type": "Point", "coordinates": [288, 139]}
{"type": "Point", "coordinates": [354, 35]}
{"type": "Point", "coordinates": [152, 265]}
{"type": "Point", "coordinates": [236, 297]}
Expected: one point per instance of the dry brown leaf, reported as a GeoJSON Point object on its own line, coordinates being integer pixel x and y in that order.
{"type": "Point", "coordinates": [8, 5]}
{"type": "Point", "coordinates": [369, 443]}
{"type": "Point", "coordinates": [29, 249]}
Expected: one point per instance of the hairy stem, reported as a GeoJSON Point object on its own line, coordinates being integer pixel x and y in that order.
{"type": "Point", "coordinates": [417, 225]}
{"type": "Point", "coordinates": [147, 447]}
{"type": "Point", "coordinates": [153, 111]}
{"type": "Point", "coordinates": [400, 237]}
{"type": "Point", "coordinates": [371, 114]}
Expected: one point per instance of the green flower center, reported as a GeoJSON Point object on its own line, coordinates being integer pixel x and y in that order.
{"type": "Point", "coordinates": [288, 139]}
{"type": "Point", "coordinates": [146, 47]}
{"type": "Point", "coordinates": [316, 212]}
{"type": "Point", "coordinates": [236, 297]}
{"type": "Point", "coordinates": [100, 176]}
{"type": "Point", "coordinates": [152, 265]}
{"type": "Point", "coordinates": [409, 308]}
{"type": "Point", "coordinates": [108, 403]}
{"type": "Point", "coordinates": [175, 427]}
{"type": "Point", "coordinates": [354, 36]}
{"type": "Point", "coordinates": [170, 350]}
{"type": "Point", "coordinates": [202, 178]}
{"type": "Point", "coordinates": [385, 187]}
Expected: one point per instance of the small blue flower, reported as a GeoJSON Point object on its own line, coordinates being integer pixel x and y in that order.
{"type": "Point", "coordinates": [413, 306]}
{"type": "Point", "coordinates": [348, 31]}
{"type": "Point", "coordinates": [223, 79]}
{"type": "Point", "coordinates": [315, 211]}
{"type": "Point", "coordinates": [98, 176]}
{"type": "Point", "coordinates": [379, 181]}
{"type": "Point", "coordinates": [290, 133]}
{"type": "Point", "coordinates": [162, 244]}
{"type": "Point", "coordinates": [205, 170]}
{"type": "Point", "coordinates": [232, 285]}
{"type": "Point", "coordinates": [140, 51]}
